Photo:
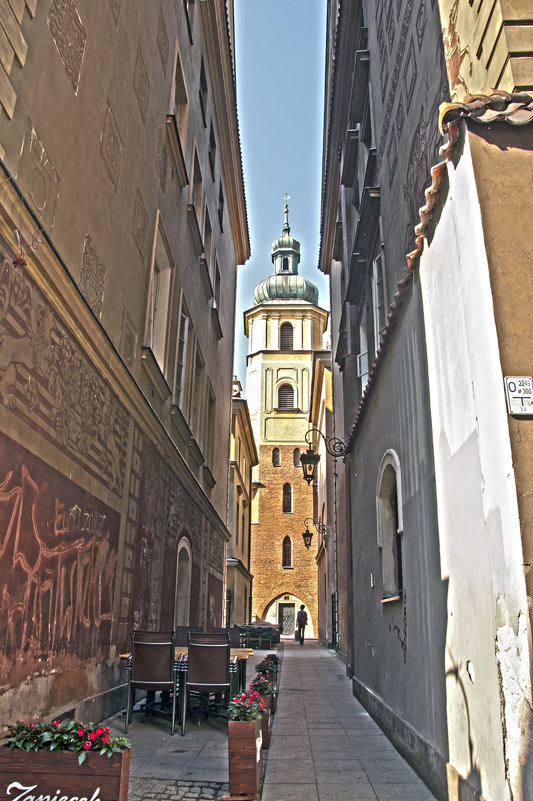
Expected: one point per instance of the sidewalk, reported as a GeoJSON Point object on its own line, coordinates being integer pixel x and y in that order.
{"type": "Point", "coordinates": [323, 747]}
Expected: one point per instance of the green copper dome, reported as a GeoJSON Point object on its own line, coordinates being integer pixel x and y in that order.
{"type": "Point", "coordinates": [285, 284]}
{"type": "Point", "coordinates": [285, 287]}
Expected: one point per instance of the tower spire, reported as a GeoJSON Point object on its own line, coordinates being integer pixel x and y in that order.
{"type": "Point", "coordinates": [286, 227]}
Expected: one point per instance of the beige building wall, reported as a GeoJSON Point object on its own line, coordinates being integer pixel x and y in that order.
{"type": "Point", "coordinates": [243, 459]}
{"type": "Point", "coordinates": [123, 208]}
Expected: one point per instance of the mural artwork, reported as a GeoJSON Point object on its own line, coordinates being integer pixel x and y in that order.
{"type": "Point", "coordinates": [47, 381]}
{"type": "Point", "coordinates": [58, 552]}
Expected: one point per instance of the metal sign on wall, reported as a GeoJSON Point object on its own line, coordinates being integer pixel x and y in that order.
{"type": "Point", "coordinates": [519, 391]}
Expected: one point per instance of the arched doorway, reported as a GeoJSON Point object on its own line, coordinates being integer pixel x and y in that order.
{"type": "Point", "coordinates": [182, 602]}
{"type": "Point", "coordinates": [281, 611]}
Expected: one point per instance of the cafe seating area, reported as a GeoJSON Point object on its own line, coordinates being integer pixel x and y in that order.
{"type": "Point", "coordinates": [183, 673]}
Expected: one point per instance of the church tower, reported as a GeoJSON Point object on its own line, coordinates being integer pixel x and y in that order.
{"type": "Point", "coordinates": [284, 326]}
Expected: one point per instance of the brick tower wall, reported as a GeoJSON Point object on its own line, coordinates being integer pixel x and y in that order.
{"type": "Point", "coordinates": [271, 579]}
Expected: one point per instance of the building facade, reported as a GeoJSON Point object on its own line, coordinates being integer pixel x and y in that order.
{"type": "Point", "coordinates": [284, 326]}
{"type": "Point", "coordinates": [122, 220]}
{"type": "Point", "coordinates": [436, 494]}
{"type": "Point", "coordinates": [243, 458]}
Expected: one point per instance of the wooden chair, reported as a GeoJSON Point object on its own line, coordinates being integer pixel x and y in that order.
{"type": "Point", "coordinates": [208, 671]}
{"type": "Point", "coordinates": [152, 668]}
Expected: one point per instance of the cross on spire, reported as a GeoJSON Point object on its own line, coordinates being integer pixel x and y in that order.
{"type": "Point", "coordinates": [286, 228]}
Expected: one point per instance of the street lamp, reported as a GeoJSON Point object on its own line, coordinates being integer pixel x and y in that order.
{"type": "Point", "coordinates": [334, 446]}
{"type": "Point", "coordinates": [308, 535]}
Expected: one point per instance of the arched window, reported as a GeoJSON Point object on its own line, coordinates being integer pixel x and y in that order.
{"type": "Point", "coordinates": [182, 600]}
{"type": "Point", "coordinates": [296, 457]}
{"type": "Point", "coordinates": [286, 555]}
{"type": "Point", "coordinates": [276, 459]}
{"type": "Point", "coordinates": [286, 397]}
{"type": "Point", "coordinates": [390, 524]}
{"type": "Point", "coordinates": [285, 264]}
{"type": "Point", "coordinates": [286, 336]}
{"type": "Point", "coordinates": [287, 498]}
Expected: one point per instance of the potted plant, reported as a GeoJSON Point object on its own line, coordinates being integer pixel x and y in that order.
{"type": "Point", "coordinates": [266, 687]}
{"type": "Point", "coordinates": [64, 758]}
{"type": "Point", "coordinates": [244, 744]}
{"type": "Point", "coordinates": [270, 664]}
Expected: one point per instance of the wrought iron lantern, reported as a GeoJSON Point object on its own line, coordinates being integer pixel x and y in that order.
{"type": "Point", "coordinates": [309, 460]}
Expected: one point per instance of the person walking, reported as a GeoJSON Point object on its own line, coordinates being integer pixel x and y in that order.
{"type": "Point", "coordinates": [301, 622]}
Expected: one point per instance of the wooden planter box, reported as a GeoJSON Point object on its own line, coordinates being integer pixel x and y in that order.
{"type": "Point", "coordinates": [244, 750]}
{"type": "Point", "coordinates": [270, 702]}
{"type": "Point", "coordinates": [58, 774]}
{"type": "Point", "coordinates": [265, 735]}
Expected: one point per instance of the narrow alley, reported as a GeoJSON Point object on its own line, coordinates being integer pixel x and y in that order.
{"type": "Point", "coordinates": [323, 745]}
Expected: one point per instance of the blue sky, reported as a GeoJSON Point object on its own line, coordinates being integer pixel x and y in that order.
{"type": "Point", "coordinates": [280, 46]}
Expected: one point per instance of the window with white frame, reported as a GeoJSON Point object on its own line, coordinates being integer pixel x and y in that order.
{"type": "Point", "coordinates": [197, 189]}
{"type": "Point", "coordinates": [197, 396]}
{"type": "Point", "coordinates": [390, 525]}
{"type": "Point", "coordinates": [179, 102]}
{"type": "Point", "coordinates": [378, 298]}
{"type": "Point", "coordinates": [182, 358]}
{"type": "Point", "coordinates": [159, 300]}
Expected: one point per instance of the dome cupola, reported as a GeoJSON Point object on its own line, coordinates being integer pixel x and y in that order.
{"type": "Point", "coordinates": [285, 284]}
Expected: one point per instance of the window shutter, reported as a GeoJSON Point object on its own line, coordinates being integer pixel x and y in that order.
{"type": "Point", "coordinates": [286, 397]}
{"type": "Point", "coordinates": [286, 336]}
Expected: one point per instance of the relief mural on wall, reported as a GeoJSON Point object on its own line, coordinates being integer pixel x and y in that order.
{"type": "Point", "coordinates": [164, 508]}
{"type": "Point", "coordinates": [47, 381]}
{"type": "Point", "coordinates": [58, 552]}
{"type": "Point", "coordinates": [456, 55]}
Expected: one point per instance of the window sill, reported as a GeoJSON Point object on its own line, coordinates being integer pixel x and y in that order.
{"type": "Point", "coordinates": [206, 278]}
{"type": "Point", "coordinates": [290, 409]}
{"type": "Point", "coordinates": [154, 372]}
{"type": "Point", "coordinates": [207, 475]}
{"type": "Point", "coordinates": [195, 229]}
{"type": "Point", "coordinates": [287, 567]}
{"type": "Point", "coordinates": [392, 599]}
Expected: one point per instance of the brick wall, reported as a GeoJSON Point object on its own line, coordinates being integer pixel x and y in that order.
{"type": "Point", "coordinates": [271, 579]}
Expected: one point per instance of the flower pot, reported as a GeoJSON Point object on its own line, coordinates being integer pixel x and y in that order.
{"type": "Point", "coordinates": [265, 735]}
{"type": "Point", "coordinates": [270, 702]}
{"type": "Point", "coordinates": [244, 750]}
{"type": "Point", "coordinates": [57, 774]}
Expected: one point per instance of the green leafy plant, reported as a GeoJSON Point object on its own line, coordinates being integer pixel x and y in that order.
{"type": "Point", "coordinates": [268, 664]}
{"type": "Point", "coordinates": [264, 684]}
{"type": "Point", "coordinates": [246, 706]}
{"type": "Point", "coordinates": [65, 735]}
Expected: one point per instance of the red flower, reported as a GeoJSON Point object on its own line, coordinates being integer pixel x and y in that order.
{"type": "Point", "coordinates": [87, 745]}
{"type": "Point", "coordinates": [105, 738]}
{"type": "Point", "coordinates": [80, 732]}
{"type": "Point", "coordinates": [92, 736]}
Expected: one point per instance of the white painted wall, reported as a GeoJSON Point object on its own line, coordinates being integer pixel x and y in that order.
{"type": "Point", "coordinates": [488, 636]}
